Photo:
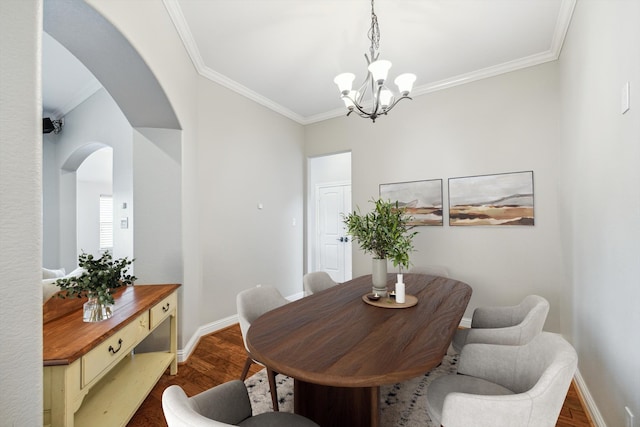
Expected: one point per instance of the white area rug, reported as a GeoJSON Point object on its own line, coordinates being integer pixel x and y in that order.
{"type": "Point", "coordinates": [401, 405]}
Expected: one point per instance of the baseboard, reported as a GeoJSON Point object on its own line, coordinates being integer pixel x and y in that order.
{"type": "Point", "coordinates": [295, 297]}
{"type": "Point", "coordinates": [465, 322]}
{"type": "Point", "coordinates": [587, 400]}
{"type": "Point", "coordinates": [183, 354]}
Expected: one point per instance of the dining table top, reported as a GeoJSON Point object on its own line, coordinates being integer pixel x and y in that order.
{"type": "Point", "coordinates": [334, 338]}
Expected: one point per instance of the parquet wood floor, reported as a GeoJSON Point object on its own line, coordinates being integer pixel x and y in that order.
{"type": "Point", "coordinates": [220, 356]}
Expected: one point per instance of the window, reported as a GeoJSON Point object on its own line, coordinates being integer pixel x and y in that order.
{"type": "Point", "coordinates": [106, 222]}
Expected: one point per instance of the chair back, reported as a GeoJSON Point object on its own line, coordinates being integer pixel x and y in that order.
{"type": "Point", "coordinates": [316, 282]}
{"type": "Point", "coordinates": [182, 411]}
{"type": "Point", "coordinates": [537, 373]}
{"type": "Point", "coordinates": [253, 303]}
{"type": "Point", "coordinates": [531, 314]}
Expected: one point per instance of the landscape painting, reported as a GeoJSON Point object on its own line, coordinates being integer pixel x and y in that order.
{"type": "Point", "coordinates": [421, 199]}
{"type": "Point", "coordinates": [503, 199]}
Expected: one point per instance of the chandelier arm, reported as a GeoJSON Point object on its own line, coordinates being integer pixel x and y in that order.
{"type": "Point", "coordinates": [365, 114]}
{"type": "Point", "coordinates": [377, 100]}
{"type": "Point", "coordinates": [396, 101]}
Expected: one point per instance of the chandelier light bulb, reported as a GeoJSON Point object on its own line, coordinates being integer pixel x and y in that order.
{"type": "Point", "coordinates": [344, 82]}
{"type": "Point", "coordinates": [405, 83]}
{"type": "Point", "coordinates": [350, 98]}
{"type": "Point", "coordinates": [386, 97]}
{"type": "Point", "coordinates": [379, 70]}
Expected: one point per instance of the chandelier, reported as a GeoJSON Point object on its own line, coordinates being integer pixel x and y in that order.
{"type": "Point", "coordinates": [381, 99]}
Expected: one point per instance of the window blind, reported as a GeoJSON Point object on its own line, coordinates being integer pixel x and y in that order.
{"type": "Point", "coordinates": [106, 222]}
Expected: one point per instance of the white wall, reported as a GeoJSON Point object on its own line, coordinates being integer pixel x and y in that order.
{"type": "Point", "coordinates": [600, 199]}
{"type": "Point", "coordinates": [20, 213]}
{"type": "Point", "coordinates": [157, 198]}
{"type": "Point", "coordinates": [240, 167]}
{"type": "Point", "coordinates": [50, 203]}
{"type": "Point", "coordinates": [96, 122]}
{"type": "Point", "coordinates": [507, 123]}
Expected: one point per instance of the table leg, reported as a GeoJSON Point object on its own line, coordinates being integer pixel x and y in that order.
{"type": "Point", "coordinates": [337, 406]}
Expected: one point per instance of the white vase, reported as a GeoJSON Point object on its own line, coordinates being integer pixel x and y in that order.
{"type": "Point", "coordinates": [379, 276]}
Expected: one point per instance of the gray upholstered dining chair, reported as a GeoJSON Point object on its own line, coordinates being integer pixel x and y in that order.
{"type": "Point", "coordinates": [505, 385]}
{"type": "Point", "coordinates": [251, 304]}
{"type": "Point", "coordinates": [316, 282]}
{"type": "Point", "coordinates": [227, 404]}
{"type": "Point", "coordinates": [510, 325]}
{"type": "Point", "coordinates": [435, 270]}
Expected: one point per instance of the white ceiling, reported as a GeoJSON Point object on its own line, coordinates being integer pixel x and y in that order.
{"type": "Point", "coordinates": [284, 54]}
{"type": "Point", "coordinates": [65, 81]}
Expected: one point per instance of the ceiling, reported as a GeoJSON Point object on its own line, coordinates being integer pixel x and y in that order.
{"type": "Point", "coordinates": [66, 82]}
{"type": "Point", "coordinates": [284, 54]}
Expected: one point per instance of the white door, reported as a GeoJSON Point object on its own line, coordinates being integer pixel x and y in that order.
{"type": "Point", "coordinates": [333, 244]}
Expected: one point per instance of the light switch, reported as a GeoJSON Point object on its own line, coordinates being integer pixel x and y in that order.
{"type": "Point", "coordinates": [625, 99]}
{"type": "Point", "coordinates": [124, 222]}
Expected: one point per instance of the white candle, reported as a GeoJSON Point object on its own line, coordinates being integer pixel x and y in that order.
{"type": "Point", "coordinates": [400, 292]}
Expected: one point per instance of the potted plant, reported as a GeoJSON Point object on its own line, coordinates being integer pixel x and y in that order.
{"type": "Point", "coordinates": [386, 234]}
{"type": "Point", "coordinates": [98, 282]}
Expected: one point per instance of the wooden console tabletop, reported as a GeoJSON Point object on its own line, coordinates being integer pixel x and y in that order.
{"type": "Point", "coordinates": [67, 338]}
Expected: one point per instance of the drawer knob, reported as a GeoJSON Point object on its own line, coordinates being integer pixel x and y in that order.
{"type": "Point", "coordinates": [114, 351]}
{"type": "Point", "coordinates": [165, 308]}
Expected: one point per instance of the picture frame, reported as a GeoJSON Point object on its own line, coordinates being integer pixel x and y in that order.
{"type": "Point", "coordinates": [505, 199]}
{"type": "Point", "coordinates": [421, 199]}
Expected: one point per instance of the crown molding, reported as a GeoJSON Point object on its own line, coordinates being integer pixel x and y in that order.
{"type": "Point", "coordinates": [180, 23]}
{"type": "Point", "coordinates": [225, 81]}
{"type": "Point", "coordinates": [177, 17]}
{"type": "Point", "coordinates": [562, 25]}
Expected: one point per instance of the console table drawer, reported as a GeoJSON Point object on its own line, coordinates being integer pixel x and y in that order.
{"type": "Point", "coordinates": [114, 348]}
{"type": "Point", "coordinates": [161, 311]}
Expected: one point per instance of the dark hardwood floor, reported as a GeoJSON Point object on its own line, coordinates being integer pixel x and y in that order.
{"type": "Point", "coordinates": [220, 356]}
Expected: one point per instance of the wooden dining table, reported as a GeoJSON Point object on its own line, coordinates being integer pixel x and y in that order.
{"type": "Point", "coordinates": [339, 349]}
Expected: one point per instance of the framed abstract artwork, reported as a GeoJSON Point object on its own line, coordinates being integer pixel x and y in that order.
{"type": "Point", "coordinates": [422, 199]}
{"type": "Point", "coordinates": [502, 199]}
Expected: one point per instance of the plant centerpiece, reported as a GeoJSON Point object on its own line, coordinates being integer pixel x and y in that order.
{"type": "Point", "coordinates": [386, 234]}
{"type": "Point", "coordinates": [98, 283]}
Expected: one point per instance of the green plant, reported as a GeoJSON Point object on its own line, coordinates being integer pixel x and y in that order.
{"type": "Point", "coordinates": [384, 232]}
{"type": "Point", "coordinates": [100, 279]}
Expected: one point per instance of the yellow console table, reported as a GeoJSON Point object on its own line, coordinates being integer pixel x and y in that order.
{"type": "Point", "coordinates": [91, 375]}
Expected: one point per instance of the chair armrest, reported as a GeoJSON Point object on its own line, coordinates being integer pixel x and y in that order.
{"type": "Point", "coordinates": [227, 403]}
{"type": "Point", "coordinates": [464, 410]}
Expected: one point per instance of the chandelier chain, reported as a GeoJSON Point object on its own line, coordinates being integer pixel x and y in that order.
{"type": "Point", "coordinates": [374, 31]}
